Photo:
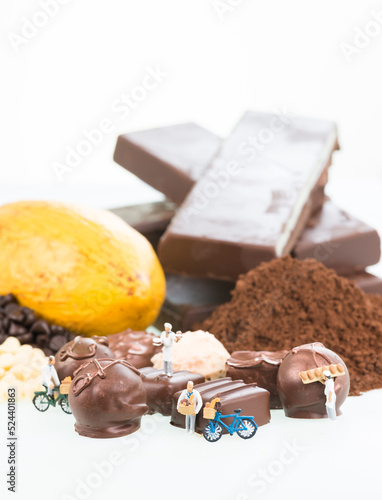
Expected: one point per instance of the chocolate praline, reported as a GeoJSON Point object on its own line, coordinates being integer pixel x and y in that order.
{"type": "Point", "coordinates": [259, 367]}
{"type": "Point", "coordinates": [136, 347]}
{"type": "Point", "coordinates": [308, 400]}
{"type": "Point", "coordinates": [79, 350]}
{"type": "Point", "coordinates": [107, 398]}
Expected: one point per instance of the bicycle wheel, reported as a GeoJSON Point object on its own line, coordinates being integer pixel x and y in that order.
{"type": "Point", "coordinates": [41, 402]}
{"type": "Point", "coordinates": [65, 406]}
{"type": "Point", "coordinates": [249, 429]}
{"type": "Point", "coordinates": [212, 433]}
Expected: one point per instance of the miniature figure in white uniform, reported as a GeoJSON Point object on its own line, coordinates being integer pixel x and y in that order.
{"type": "Point", "coordinates": [193, 397]}
{"type": "Point", "coordinates": [330, 395]}
{"type": "Point", "coordinates": [49, 376]}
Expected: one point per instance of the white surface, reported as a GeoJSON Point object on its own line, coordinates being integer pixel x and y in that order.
{"type": "Point", "coordinates": [160, 461]}
{"type": "Point", "coordinates": [263, 55]}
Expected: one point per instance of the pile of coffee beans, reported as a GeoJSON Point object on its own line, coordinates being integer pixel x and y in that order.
{"type": "Point", "coordinates": [22, 323]}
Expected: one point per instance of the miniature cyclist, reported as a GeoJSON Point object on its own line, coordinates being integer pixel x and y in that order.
{"type": "Point", "coordinates": [49, 377]}
{"type": "Point", "coordinates": [193, 397]}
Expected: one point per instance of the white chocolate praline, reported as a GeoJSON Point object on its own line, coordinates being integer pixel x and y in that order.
{"type": "Point", "coordinates": [20, 367]}
{"type": "Point", "coordinates": [197, 352]}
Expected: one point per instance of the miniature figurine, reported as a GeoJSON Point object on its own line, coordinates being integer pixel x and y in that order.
{"type": "Point", "coordinates": [167, 338]}
{"type": "Point", "coordinates": [49, 376]}
{"type": "Point", "coordinates": [189, 404]}
{"type": "Point", "coordinates": [330, 395]}
{"type": "Point", "coordinates": [42, 400]}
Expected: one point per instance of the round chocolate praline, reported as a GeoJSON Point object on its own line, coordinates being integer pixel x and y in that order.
{"type": "Point", "coordinates": [107, 398]}
{"type": "Point", "coordinates": [136, 347]}
{"type": "Point", "coordinates": [301, 400]}
{"type": "Point", "coordinates": [79, 350]}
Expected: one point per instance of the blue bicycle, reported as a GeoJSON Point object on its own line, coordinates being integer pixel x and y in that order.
{"type": "Point", "coordinates": [245, 427]}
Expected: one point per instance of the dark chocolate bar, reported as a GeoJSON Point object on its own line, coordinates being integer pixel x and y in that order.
{"type": "Point", "coordinates": [160, 388]}
{"type": "Point", "coordinates": [189, 301]}
{"type": "Point", "coordinates": [233, 394]}
{"type": "Point", "coordinates": [367, 282]}
{"type": "Point", "coordinates": [253, 202]}
{"type": "Point", "coordinates": [150, 219]}
{"type": "Point", "coordinates": [170, 159]}
{"type": "Point", "coordinates": [339, 240]}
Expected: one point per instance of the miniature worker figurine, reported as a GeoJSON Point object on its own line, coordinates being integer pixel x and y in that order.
{"type": "Point", "coordinates": [167, 338]}
{"type": "Point", "coordinates": [49, 376]}
{"type": "Point", "coordinates": [330, 395]}
{"type": "Point", "coordinates": [193, 397]}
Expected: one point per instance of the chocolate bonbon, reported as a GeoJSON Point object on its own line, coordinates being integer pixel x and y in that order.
{"type": "Point", "coordinates": [233, 394]}
{"type": "Point", "coordinates": [79, 351]}
{"type": "Point", "coordinates": [301, 400]}
{"type": "Point", "coordinates": [107, 398]}
{"type": "Point", "coordinates": [339, 240]}
{"type": "Point", "coordinates": [135, 347]}
{"type": "Point", "coordinates": [170, 159]}
{"type": "Point", "coordinates": [160, 388]}
{"type": "Point", "coordinates": [249, 206]}
{"type": "Point", "coordinates": [259, 367]}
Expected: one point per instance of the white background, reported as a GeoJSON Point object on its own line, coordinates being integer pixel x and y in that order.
{"type": "Point", "coordinates": [275, 55]}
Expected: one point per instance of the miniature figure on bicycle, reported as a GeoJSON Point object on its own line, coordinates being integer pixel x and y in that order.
{"type": "Point", "coordinates": [49, 377]}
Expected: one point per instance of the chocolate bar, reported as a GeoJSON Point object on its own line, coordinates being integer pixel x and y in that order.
{"type": "Point", "coordinates": [173, 176]}
{"type": "Point", "coordinates": [170, 159]}
{"type": "Point", "coordinates": [253, 202]}
{"type": "Point", "coordinates": [160, 388]}
{"type": "Point", "coordinates": [258, 367]}
{"type": "Point", "coordinates": [189, 301]}
{"type": "Point", "coordinates": [339, 240]}
{"type": "Point", "coordinates": [367, 282]}
{"type": "Point", "coordinates": [150, 219]}
{"type": "Point", "coordinates": [233, 394]}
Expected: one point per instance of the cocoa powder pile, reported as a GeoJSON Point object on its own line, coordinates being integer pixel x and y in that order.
{"type": "Point", "coordinates": [286, 302]}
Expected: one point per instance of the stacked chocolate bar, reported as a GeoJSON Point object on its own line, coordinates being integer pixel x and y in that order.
{"type": "Point", "coordinates": [233, 203]}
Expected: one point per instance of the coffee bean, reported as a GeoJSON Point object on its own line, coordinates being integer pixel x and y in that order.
{"type": "Point", "coordinates": [10, 307]}
{"type": "Point", "coordinates": [3, 337]}
{"type": "Point", "coordinates": [47, 351]}
{"type": "Point", "coordinates": [57, 342]}
{"type": "Point", "coordinates": [16, 315]}
{"type": "Point", "coordinates": [26, 338]}
{"type": "Point", "coordinates": [29, 316]}
{"type": "Point", "coordinates": [7, 299]}
{"type": "Point", "coordinates": [57, 330]}
{"type": "Point", "coordinates": [5, 323]}
{"type": "Point", "coordinates": [40, 326]}
{"type": "Point", "coordinates": [15, 330]}
{"type": "Point", "coordinates": [42, 340]}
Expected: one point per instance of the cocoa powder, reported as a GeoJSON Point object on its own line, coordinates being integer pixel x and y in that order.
{"type": "Point", "coordinates": [286, 302]}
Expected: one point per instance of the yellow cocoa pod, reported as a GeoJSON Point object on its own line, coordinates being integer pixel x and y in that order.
{"type": "Point", "coordinates": [82, 268]}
